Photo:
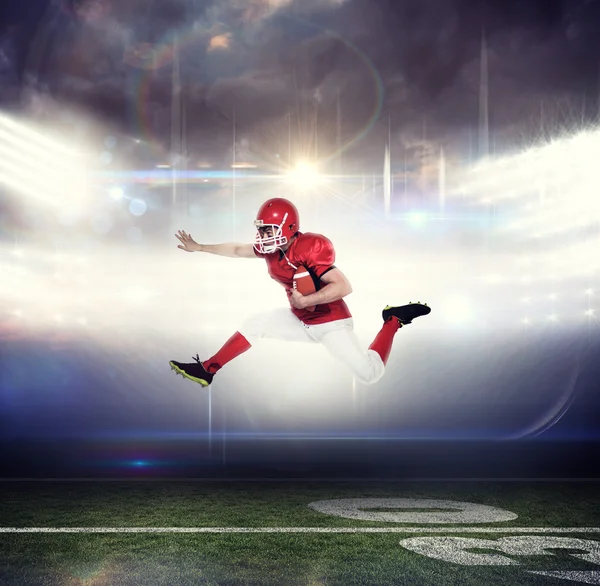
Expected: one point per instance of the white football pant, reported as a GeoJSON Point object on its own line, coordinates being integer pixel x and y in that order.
{"type": "Point", "coordinates": [337, 336]}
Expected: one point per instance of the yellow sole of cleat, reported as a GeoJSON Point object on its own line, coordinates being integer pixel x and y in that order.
{"type": "Point", "coordinates": [185, 375]}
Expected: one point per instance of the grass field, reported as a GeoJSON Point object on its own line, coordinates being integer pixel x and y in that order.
{"type": "Point", "coordinates": [251, 533]}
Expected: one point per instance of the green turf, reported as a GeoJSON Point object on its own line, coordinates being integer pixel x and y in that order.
{"type": "Point", "coordinates": [261, 559]}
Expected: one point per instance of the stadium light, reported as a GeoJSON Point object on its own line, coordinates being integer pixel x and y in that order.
{"type": "Point", "coordinates": [304, 176]}
{"type": "Point", "coordinates": [41, 168]}
{"type": "Point", "coordinates": [561, 176]}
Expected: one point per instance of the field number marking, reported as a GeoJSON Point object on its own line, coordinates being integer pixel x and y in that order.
{"type": "Point", "coordinates": [410, 511]}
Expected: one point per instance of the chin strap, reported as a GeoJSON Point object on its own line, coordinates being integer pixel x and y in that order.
{"type": "Point", "coordinates": [288, 260]}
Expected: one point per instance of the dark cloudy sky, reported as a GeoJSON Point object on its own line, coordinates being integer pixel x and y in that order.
{"type": "Point", "coordinates": [265, 60]}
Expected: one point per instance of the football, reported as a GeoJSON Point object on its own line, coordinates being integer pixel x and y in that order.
{"type": "Point", "coordinates": [304, 284]}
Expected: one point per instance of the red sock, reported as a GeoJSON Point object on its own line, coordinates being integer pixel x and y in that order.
{"type": "Point", "coordinates": [235, 346]}
{"type": "Point", "coordinates": [382, 344]}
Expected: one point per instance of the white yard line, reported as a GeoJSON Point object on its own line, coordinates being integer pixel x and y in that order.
{"type": "Point", "coordinates": [402, 530]}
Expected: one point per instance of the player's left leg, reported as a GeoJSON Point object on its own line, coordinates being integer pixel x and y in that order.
{"type": "Point", "coordinates": [341, 341]}
{"type": "Point", "coordinates": [343, 344]}
{"type": "Point", "coordinates": [394, 317]}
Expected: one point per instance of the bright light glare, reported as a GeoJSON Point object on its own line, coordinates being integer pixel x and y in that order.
{"type": "Point", "coordinates": [417, 218]}
{"type": "Point", "coordinates": [34, 165]}
{"type": "Point", "coordinates": [137, 295]}
{"type": "Point", "coordinates": [137, 207]}
{"type": "Point", "coordinates": [458, 311]}
{"type": "Point", "coordinates": [304, 176]}
{"type": "Point", "coordinates": [561, 177]}
{"type": "Point", "coordinates": [493, 278]}
{"type": "Point", "coordinates": [116, 193]}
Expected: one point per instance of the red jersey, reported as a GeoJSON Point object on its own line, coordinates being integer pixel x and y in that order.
{"type": "Point", "coordinates": [316, 254]}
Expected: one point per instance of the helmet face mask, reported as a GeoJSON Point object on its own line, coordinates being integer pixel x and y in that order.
{"type": "Point", "coordinates": [268, 243]}
{"type": "Point", "coordinates": [276, 224]}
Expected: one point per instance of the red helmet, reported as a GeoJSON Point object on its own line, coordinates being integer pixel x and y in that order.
{"type": "Point", "coordinates": [282, 216]}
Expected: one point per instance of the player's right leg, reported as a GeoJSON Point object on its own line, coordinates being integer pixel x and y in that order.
{"type": "Point", "coordinates": [280, 324]}
{"type": "Point", "coordinates": [193, 371]}
{"type": "Point", "coordinates": [203, 372]}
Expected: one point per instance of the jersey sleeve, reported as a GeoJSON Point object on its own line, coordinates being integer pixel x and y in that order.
{"type": "Point", "coordinates": [318, 254]}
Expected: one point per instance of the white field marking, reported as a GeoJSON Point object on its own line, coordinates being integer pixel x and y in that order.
{"type": "Point", "coordinates": [452, 511]}
{"type": "Point", "coordinates": [400, 530]}
{"type": "Point", "coordinates": [586, 577]}
{"type": "Point", "coordinates": [458, 550]}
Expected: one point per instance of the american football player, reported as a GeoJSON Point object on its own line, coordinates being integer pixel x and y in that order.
{"type": "Point", "coordinates": [284, 248]}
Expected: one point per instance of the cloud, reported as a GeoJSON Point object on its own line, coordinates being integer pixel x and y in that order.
{"type": "Point", "coordinates": [252, 97]}
{"type": "Point", "coordinates": [219, 42]}
{"type": "Point", "coordinates": [267, 58]}
{"type": "Point", "coordinates": [255, 11]}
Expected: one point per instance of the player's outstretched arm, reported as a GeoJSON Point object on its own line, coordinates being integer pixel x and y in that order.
{"type": "Point", "coordinates": [230, 249]}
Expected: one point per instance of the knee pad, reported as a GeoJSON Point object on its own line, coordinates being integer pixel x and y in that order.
{"type": "Point", "coordinates": [376, 369]}
{"type": "Point", "coordinates": [251, 329]}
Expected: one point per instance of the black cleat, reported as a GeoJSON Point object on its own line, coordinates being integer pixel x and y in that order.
{"type": "Point", "coordinates": [406, 313]}
{"type": "Point", "coordinates": [193, 370]}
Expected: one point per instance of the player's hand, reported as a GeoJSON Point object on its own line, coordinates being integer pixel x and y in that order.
{"type": "Point", "coordinates": [189, 244]}
{"type": "Point", "coordinates": [297, 299]}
